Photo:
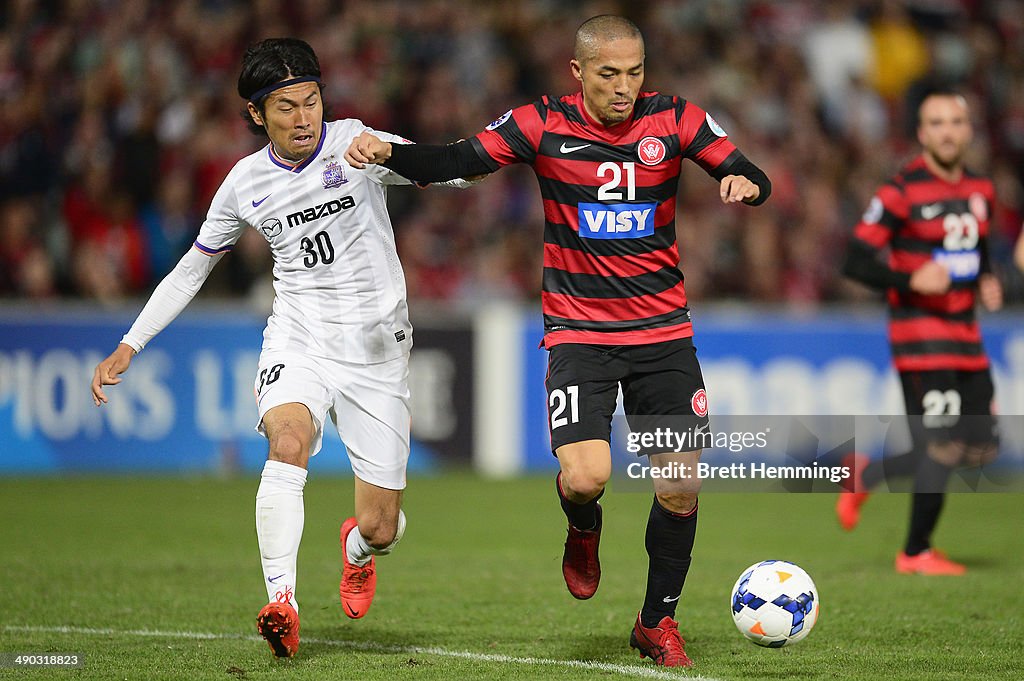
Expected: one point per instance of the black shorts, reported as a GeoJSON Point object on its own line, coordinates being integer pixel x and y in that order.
{"type": "Point", "coordinates": [950, 405]}
{"type": "Point", "coordinates": [659, 379]}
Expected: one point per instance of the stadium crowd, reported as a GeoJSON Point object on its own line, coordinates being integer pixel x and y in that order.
{"type": "Point", "coordinates": [119, 119]}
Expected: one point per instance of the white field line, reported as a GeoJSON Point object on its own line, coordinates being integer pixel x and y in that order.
{"type": "Point", "coordinates": [646, 672]}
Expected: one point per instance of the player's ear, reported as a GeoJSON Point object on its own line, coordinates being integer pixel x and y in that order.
{"type": "Point", "coordinates": [255, 113]}
{"type": "Point", "coordinates": [577, 69]}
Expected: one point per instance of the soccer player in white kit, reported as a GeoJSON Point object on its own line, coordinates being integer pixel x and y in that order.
{"type": "Point", "coordinates": [337, 343]}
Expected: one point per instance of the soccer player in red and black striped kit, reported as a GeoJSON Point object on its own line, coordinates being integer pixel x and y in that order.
{"type": "Point", "coordinates": [933, 217]}
{"type": "Point", "coordinates": [615, 313]}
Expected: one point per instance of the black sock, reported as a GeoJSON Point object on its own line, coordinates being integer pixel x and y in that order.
{"type": "Point", "coordinates": [669, 544]}
{"type": "Point", "coordinates": [924, 514]}
{"type": "Point", "coordinates": [926, 506]}
{"type": "Point", "coordinates": [581, 516]}
{"type": "Point", "coordinates": [899, 466]}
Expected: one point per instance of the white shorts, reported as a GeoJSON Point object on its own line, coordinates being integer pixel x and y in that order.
{"type": "Point", "coordinates": [369, 404]}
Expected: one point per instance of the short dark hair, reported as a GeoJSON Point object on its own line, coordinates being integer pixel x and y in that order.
{"type": "Point", "coordinates": [938, 90]}
{"type": "Point", "coordinates": [600, 29]}
{"type": "Point", "coordinates": [271, 61]}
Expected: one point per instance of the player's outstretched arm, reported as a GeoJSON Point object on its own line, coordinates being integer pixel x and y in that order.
{"type": "Point", "coordinates": [108, 372]}
{"type": "Point", "coordinates": [371, 144]}
{"type": "Point", "coordinates": [1018, 252]}
{"type": "Point", "coordinates": [169, 298]}
{"type": "Point", "coordinates": [419, 162]}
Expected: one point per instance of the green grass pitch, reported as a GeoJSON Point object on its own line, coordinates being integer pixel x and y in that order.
{"type": "Point", "coordinates": [160, 578]}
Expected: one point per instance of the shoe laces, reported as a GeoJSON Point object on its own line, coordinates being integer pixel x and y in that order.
{"type": "Point", "coordinates": [356, 576]}
{"type": "Point", "coordinates": [670, 642]}
{"type": "Point", "coordinates": [584, 541]}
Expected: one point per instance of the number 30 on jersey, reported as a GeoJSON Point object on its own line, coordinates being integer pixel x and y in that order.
{"type": "Point", "coordinates": [317, 250]}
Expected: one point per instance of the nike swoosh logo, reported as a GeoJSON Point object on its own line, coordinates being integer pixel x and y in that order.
{"type": "Point", "coordinates": [666, 599]}
{"type": "Point", "coordinates": [274, 579]}
{"type": "Point", "coordinates": [568, 150]}
{"type": "Point", "coordinates": [256, 204]}
{"type": "Point", "coordinates": [353, 613]}
{"type": "Point", "coordinates": [932, 211]}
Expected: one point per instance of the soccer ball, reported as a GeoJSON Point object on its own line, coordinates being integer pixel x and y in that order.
{"type": "Point", "coordinates": [774, 603]}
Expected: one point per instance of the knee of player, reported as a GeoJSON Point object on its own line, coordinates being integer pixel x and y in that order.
{"type": "Point", "coordinates": [584, 485]}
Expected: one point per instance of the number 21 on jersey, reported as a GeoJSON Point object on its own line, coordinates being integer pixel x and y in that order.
{"type": "Point", "coordinates": [610, 220]}
{"type": "Point", "coordinates": [609, 191]}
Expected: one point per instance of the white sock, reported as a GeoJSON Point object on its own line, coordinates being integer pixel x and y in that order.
{"type": "Point", "coordinates": [279, 519]}
{"type": "Point", "coordinates": [359, 552]}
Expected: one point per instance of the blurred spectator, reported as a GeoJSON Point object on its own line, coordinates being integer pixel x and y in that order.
{"type": "Point", "coordinates": [25, 268]}
{"type": "Point", "coordinates": [170, 223]}
{"type": "Point", "coordinates": [118, 118]}
{"type": "Point", "coordinates": [840, 57]}
{"type": "Point", "coordinates": [900, 50]}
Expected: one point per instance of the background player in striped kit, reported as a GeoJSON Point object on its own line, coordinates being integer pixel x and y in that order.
{"type": "Point", "coordinates": [608, 160]}
{"type": "Point", "coordinates": [933, 216]}
{"type": "Point", "coordinates": [338, 341]}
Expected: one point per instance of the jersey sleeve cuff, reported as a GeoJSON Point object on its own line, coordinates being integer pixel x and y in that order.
{"type": "Point", "coordinates": [133, 343]}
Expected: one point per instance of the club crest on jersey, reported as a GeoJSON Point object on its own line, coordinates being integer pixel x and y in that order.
{"type": "Point", "coordinates": [979, 206]}
{"type": "Point", "coordinates": [651, 151]}
{"type": "Point", "coordinates": [271, 227]}
{"type": "Point", "coordinates": [501, 119]}
{"type": "Point", "coordinates": [699, 403]}
{"type": "Point", "coordinates": [333, 176]}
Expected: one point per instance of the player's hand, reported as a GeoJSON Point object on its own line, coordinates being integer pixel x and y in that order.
{"type": "Point", "coordinates": [109, 370]}
{"type": "Point", "coordinates": [367, 148]}
{"type": "Point", "coordinates": [990, 291]}
{"type": "Point", "coordinates": [736, 188]}
{"type": "Point", "coordinates": [930, 279]}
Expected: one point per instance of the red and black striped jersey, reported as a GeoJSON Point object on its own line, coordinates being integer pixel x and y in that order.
{"type": "Point", "coordinates": [919, 217]}
{"type": "Point", "coordinates": [611, 260]}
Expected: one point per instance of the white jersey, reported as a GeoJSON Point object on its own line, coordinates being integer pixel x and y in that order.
{"type": "Point", "coordinates": [340, 289]}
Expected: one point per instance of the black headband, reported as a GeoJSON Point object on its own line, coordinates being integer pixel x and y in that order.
{"type": "Point", "coordinates": [263, 92]}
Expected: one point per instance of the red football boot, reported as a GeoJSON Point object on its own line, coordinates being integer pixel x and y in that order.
{"type": "Point", "coordinates": [358, 583]}
{"type": "Point", "coordinates": [662, 643]}
{"type": "Point", "coordinates": [856, 493]}
{"type": "Point", "coordinates": [581, 566]}
{"type": "Point", "coordinates": [930, 562]}
{"type": "Point", "coordinates": [279, 624]}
